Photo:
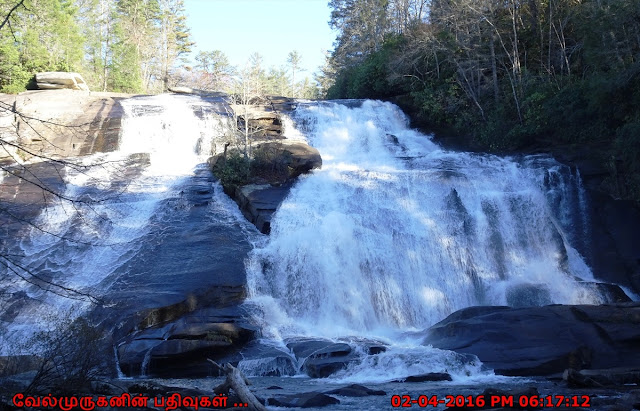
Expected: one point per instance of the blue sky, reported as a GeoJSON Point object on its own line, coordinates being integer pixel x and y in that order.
{"type": "Point", "coordinates": [271, 27]}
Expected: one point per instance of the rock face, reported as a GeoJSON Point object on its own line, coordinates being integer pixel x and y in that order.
{"type": "Point", "coordinates": [543, 340]}
{"type": "Point", "coordinates": [355, 390]}
{"type": "Point", "coordinates": [615, 256]}
{"type": "Point", "coordinates": [192, 309]}
{"type": "Point", "coordinates": [258, 202]}
{"type": "Point", "coordinates": [61, 123]}
{"type": "Point", "coordinates": [601, 378]}
{"type": "Point", "coordinates": [297, 157]}
{"type": "Point", "coordinates": [615, 224]}
{"type": "Point", "coordinates": [52, 80]}
{"type": "Point", "coordinates": [261, 116]}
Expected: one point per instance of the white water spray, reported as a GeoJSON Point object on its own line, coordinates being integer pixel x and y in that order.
{"type": "Point", "coordinates": [394, 234]}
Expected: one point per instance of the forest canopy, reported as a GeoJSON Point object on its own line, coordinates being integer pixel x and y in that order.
{"type": "Point", "coordinates": [129, 46]}
{"type": "Point", "coordinates": [502, 75]}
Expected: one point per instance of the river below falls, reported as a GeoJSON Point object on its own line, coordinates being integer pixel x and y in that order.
{"type": "Point", "coordinates": [265, 387]}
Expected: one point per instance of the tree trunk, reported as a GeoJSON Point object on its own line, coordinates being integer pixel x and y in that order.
{"type": "Point", "coordinates": [494, 68]}
{"type": "Point", "coordinates": [239, 383]}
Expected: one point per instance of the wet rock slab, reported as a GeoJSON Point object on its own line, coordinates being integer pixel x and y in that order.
{"type": "Point", "coordinates": [543, 340]}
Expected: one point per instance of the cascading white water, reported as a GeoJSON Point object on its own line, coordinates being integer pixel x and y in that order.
{"type": "Point", "coordinates": [394, 234]}
{"type": "Point", "coordinates": [162, 141]}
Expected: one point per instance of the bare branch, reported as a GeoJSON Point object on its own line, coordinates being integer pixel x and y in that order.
{"type": "Point", "coordinates": [6, 19]}
{"type": "Point", "coordinates": [57, 289]}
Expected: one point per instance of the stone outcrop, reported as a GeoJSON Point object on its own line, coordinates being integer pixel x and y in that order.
{"type": "Point", "coordinates": [261, 116]}
{"type": "Point", "coordinates": [279, 165]}
{"type": "Point", "coordinates": [276, 162]}
{"type": "Point", "coordinates": [293, 156]}
{"type": "Point", "coordinates": [181, 348]}
{"type": "Point", "coordinates": [543, 340]}
{"type": "Point", "coordinates": [53, 80]}
{"type": "Point", "coordinates": [61, 123]}
{"type": "Point", "coordinates": [258, 202]}
{"type": "Point", "coordinates": [355, 390]}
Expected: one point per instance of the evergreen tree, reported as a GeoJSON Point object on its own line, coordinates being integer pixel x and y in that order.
{"type": "Point", "coordinates": [42, 35]}
{"type": "Point", "coordinates": [214, 71]}
{"type": "Point", "coordinates": [294, 59]}
{"type": "Point", "coordinates": [174, 37]}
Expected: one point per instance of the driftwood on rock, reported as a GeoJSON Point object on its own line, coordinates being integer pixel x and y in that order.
{"type": "Point", "coordinates": [238, 382]}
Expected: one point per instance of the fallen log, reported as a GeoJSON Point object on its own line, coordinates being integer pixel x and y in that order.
{"type": "Point", "coordinates": [238, 382]}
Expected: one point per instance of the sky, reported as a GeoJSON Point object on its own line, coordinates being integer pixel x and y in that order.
{"type": "Point", "coordinates": [272, 28]}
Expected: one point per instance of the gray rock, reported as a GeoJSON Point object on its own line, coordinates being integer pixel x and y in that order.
{"type": "Point", "coordinates": [355, 390]}
{"type": "Point", "coordinates": [182, 346]}
{"type": "Point", "coordinates": [61, 80]}
{"type": "Point", "coordinates": [302, 157]}
{"type": "Point", "coordinates": [431, 376]}
{"type": "Point", "coordinates": [64, 122]}
{"type": "Point", "coordinates": [601, 378]}
{"type": "Point", "coordinates": [18, 364]}
{"type": "Point", "coordinates": [321, 358]}
{"type": "Point", "coordinates": [630, 401]}
{"type": "Point", "coordinates": [303, 400]}
{"type": "Point", "coordinates": [543, 340]}
{"type": "Point", "coordinates": [258, 203]}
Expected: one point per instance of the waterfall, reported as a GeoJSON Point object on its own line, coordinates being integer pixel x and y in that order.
{"type": "Point", "coordinates": [85, 246]}
{"type": "Point", "coordinates": [395, 233]}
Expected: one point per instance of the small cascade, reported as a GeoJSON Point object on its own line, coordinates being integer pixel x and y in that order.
{"type": "Point", "coordinates": [144, 367]}
{"type": "Point", "coordinates": [395, 233]}
{"type": "Point", "coordinates": [116, 359]}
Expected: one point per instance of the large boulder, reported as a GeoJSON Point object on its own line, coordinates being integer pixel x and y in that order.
{"type": "Point", "coordinates": [52, 80]}
{"type": "Point", "coordinates": [258, 202]}
{"type": "Point", "coordinates": [288, 159]}
{"type": "Point", "coordinates": [274, 169]}
{"type": "Point", "coordinates": [543, 340]}
{"type": "Point", "coordinates": [321, 358]}
{"type": "Point", "coordinates": [183, 347]}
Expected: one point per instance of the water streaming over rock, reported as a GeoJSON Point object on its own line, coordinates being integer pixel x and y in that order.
{"type": "Point", "coordinates": [127, 204]}
{"type": "Point", "coordinates": [395, 233]}
{"type": "Point", "coordinates": [391, 236]}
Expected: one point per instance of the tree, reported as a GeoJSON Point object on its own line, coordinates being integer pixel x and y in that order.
{"type": "Point", "coordinates": [362, 25]}
{"type": "Point", "coordinates": [174, 37]}
{"type": "Point", "coordinates": [38, 35]}
{"type": "Point", "coordinates": [215, 71]}
{"type": "Point", "coordinates": [294, 59]}
{"type": "Point", "coordinates": [277, 81]}
{"type": "Point", "coordinates": [137, 34]}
